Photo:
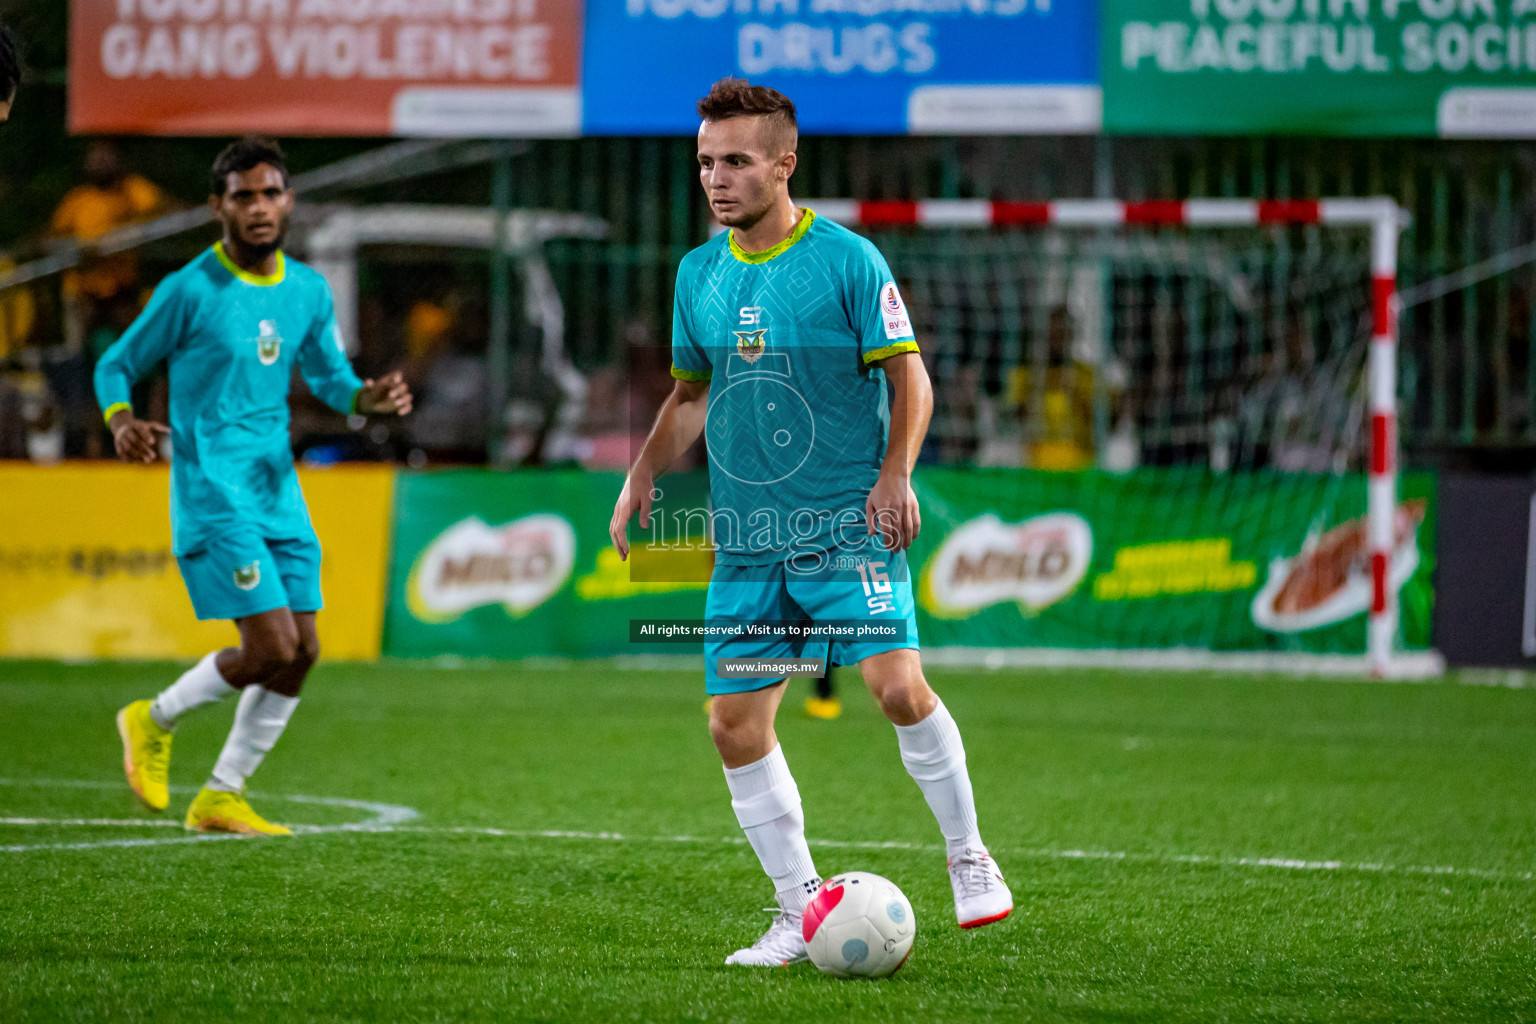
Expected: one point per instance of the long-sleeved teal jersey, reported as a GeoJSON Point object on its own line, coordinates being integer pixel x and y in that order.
{"type": "Point", "coordinates": [798, 417]}
{"type": "Point", "coordinates": [231, 339]}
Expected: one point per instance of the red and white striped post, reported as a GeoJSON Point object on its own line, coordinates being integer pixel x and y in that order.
{"type": "Point", "coordinates": [1380, 214]}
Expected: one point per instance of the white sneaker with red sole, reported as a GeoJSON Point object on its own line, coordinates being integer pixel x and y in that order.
{"type": "Point", "coordinates": [780, 945]}
{"type": "Point", "coordinates": [981, 895]}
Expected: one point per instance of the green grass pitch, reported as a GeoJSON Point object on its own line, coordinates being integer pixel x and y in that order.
{"type": "Point", "coordinates": [1180, 848]}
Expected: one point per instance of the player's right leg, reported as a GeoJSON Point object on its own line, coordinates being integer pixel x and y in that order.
{"type": "Point", "coordinates": [277, 650]}
{"type": "Point", "coordinates": [232, 576]}
{"type": "Point", "coordinates": [926, 734]}
{"type": "Point", "coordinates": [763, 792]}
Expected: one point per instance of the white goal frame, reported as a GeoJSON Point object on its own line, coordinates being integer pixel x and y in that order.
{"type": "Point", "coordinates": [1380, 215]}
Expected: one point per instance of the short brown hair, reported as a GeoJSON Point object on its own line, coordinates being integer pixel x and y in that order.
{"type": "Point", "coordinates": [736, 97]}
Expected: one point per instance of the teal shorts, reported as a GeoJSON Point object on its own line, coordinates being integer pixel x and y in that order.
{"type": "Point", "coordinates": [243, 573]}
{"type": "Point", "coordinates": [741, 594]}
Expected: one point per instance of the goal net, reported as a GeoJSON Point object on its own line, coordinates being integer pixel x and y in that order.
{"type": "Point", "coordinates": [1207, 390]}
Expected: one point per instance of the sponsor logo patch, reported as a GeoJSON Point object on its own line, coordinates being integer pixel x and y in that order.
{"type": "Point", "coordinates": [893, 312]}
{"type": "Point", "coordinates": [1036, 563]}
{"type": "Point", "coordinates": [518, 565]}
{"type": "Point", "coordinates": [248, 577]}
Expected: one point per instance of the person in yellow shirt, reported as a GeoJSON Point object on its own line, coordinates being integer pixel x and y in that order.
{"type": "Point", "coordinates": [18, 316]}
{"type": "Point", "coordinates": [110, 198]}
{"type": "Point", "coordinates": [1055, 403]}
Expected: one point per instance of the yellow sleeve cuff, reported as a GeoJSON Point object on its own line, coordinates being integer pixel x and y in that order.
{"type": "Point", "coordinates": [114, 409]}
{"type": "Point", "coordinates": [692, 375]}
{"type": "Point", "coordinates": [889, 350]}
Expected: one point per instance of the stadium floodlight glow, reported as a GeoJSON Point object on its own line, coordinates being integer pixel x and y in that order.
{"type": "Point", "coordinates": [1380, 215]}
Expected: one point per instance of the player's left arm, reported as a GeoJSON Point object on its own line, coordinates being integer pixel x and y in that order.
{"type": "Point", "coordinates": [326, 369]}
{"type": "Point", "coordinates": [892, 506]}
{"type": "Point", "coordinates": [879, 318]}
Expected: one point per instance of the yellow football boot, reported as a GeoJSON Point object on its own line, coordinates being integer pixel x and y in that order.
{"type": "Point", "coordinates": [823, 707]}
{"type": "Point", "coordinates": [213, 810]}
{"type": "Point", "coordinates": [146, 755]}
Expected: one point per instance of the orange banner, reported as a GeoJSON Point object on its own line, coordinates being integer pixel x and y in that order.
{"type": "Point", "coordinates": [325, 67]}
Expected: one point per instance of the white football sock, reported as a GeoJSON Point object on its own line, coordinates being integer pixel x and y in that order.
{"type": "Point", "coordinates": [259, 721]}
{"type": "Point", "coordinates": [199, 685]}
{"type": "Point", "coordinates": [935, 758]}
{"type": "Point", "coordinates": [767, 804]}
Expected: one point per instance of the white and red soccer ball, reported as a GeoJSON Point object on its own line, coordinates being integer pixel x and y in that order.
{"type": "Point", "coordinates": [859, 925]}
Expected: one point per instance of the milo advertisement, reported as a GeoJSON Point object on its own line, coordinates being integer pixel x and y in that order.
{"type": "Point", "coordinates": [1161, 558]}
{"type": "Point", "coordinates": [513, 565]}
{"type": "Point", "coordinates": [517, 565]}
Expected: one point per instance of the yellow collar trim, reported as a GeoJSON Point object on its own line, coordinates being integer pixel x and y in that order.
{"type": "Point", "coordinates": [264, 281]}
{"type": "Point", "coordinates": [806, 219]}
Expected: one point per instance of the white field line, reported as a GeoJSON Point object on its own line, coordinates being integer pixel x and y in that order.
{"type": "Point", "coordinates": [1194, 859]}
{"type": "Point", "coordinates": [125, 822]}
{"type": "Point", "coordinates": [393, 818]}
{"type": "Point", "coordinates": [384, 816]}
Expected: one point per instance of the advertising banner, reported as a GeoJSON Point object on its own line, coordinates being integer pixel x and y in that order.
{"type": "Point", "coordinates": [1161, 558]}
{"type": "Point", "coordinates": [86, 569]}
{"type": "Point", "coordinates": [851, 66]}
{"type": "Point", "coordinates": [517, 565]}
{"type": "Point", "coordinates": [520, 565]}
{"type": "Point", "coordinates": [1452, 68]}
{"type": "Point", "coordinates": [325, 67]}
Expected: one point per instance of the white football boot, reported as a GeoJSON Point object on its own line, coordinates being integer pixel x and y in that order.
{"type": "Point", "coordinates": [981, 895]}
{"type": "Point", "coordinates": [781, 944]}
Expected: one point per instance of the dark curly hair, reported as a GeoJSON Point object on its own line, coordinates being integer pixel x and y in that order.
{"type": "Point", "coordinates": [242, 155]}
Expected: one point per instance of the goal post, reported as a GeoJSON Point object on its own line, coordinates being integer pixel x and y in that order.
{"type": "Point", "coordinates": [1379, 217]}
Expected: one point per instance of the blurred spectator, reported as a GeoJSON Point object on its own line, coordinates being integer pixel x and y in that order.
{"type": "Point", "coordinates": [426, 332]}
{"type": "Point", "coordinates": [445, 366]}
{"type": "Point", "coordinates": [1056, 405]}
{"type": "Point", "coordinates": [605, 420]}
{"type": "Point", "coordinates": [10, 72]}
{"type": "Point", "coordinates": [1299, 417]}
{"type": "Point", "coordinates": [42, 425]}
{"type": "Point", "coordinates": [111, 198]}
{"type": "Point", "coordinates": [18, 316]}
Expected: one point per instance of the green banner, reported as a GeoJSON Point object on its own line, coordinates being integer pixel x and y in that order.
{"type": "Point", "coordinates": [1161, 558]}
{"type": "Point", "coordinates": [1452, 68]}
{"type": "Point", "coordinates": [516, 565]}
{"type": "Point", "coordinates": [513, 565]}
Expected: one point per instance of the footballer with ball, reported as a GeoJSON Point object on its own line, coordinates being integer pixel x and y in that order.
{"type": "Point", "coordinates": [801, 321]}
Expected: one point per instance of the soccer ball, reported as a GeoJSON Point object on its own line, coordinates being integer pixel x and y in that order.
{"type": "Point", "coordinates": [859, 925]}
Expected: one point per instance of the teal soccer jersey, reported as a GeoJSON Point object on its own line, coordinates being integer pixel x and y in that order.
{"type": "Point", "coordinates": [231, 340]}
{"type": "Point", "coordinates": [798, 417]}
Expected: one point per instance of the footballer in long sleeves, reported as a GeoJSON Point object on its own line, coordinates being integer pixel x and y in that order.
{"type": "Point", "coordinates": [232, 326]}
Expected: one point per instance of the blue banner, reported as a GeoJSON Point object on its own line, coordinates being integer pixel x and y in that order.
{"type": "Point", "coordinates": [877, 67]}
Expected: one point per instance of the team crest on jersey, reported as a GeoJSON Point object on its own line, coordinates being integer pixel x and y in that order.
{"type": "Point", "coordinates": [248, 576]}
{"type": "Point", "coordinates": [268, 342]}
{"type": "Point", "coordinates": [750, 344]}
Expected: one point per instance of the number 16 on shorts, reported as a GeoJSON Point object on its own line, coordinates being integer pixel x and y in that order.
{"type": "Point", "coordinates": [877, 586]}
